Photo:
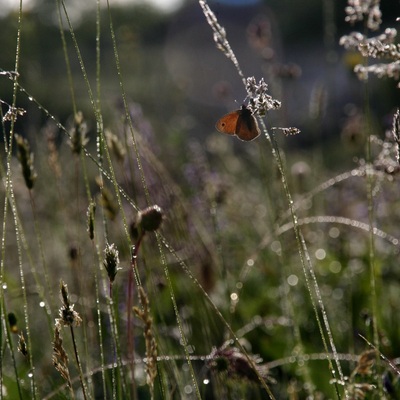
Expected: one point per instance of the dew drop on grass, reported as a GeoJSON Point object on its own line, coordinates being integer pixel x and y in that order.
{"type": "Point", "coordinates": [4, 286]}
{"type": "Point", "coordinates": [30, 98]}
{"type": "Point", "coordinates": [206, 381]}
{"type": "Point", "coordinates": [42, 304]}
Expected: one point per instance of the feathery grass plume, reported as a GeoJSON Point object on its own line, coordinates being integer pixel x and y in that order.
{"type": "Point", "coordinates": [111, 261]}
{"type": "Point", "coordinates": [22, 346]}
{"type": "Point", "coordinates": [25, 157]}
{"type": "Point", "coordinates": [396, 133]}
{"type": "Point", "coordinates": [78, 133]}
{"type": "Point", "coordinates": [12, 321]}
{"type": "Point", "coordinates": [151, 344]}
{"type": "Point", "coordinates": [107, 201]}
{"type": "Point", "coordinates": [68, 317]}
{"type": "Point", "coordinates": [260, 102]}
{"type": "Point", "coordinates": [231, 362]}
{"type": "Point", "coordinates": [91, 211]}
{"type": "Point", "coordinates": [60, 357]}
{"type": "Point", "coordinates": [380, 46]}
{"type": "Point", "coordinates": [290, 131]}
{"type": "Point", "coordinates": [115, 145]}
{"type": "Point", "coordinates": [219, 35]}
{"type": "Point", "coordinates": [359, 10]}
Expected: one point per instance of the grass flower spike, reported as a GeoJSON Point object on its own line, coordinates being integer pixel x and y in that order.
{"type": "Point", "coordinates": [111, 261]}
{"type": "Point", "coordinates": [78, 133]}
{"type": "Point", "coordinates": [26, 159]}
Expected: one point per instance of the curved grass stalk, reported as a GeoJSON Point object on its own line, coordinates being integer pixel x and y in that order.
{"type": "Point", "coordinates": [308, 272]}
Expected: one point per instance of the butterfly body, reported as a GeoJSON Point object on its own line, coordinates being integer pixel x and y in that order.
{"type": "Point", "coordinates": [241, 123]}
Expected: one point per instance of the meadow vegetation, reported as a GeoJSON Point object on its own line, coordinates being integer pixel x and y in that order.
{"type": "Point", "coordinates": [140, 261]}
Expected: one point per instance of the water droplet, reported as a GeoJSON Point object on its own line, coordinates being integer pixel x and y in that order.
{"type": "Point", "coordinates": [188, 389]}
{"type": "Point", "coordinates": [206, 381]}
{"type": "Point", "coordinates": [30, 98]}
{"type": "Point", "coordinates": [292, 280]}
{"type": "Point", "coordinates": [4, 286]}
{"type": "Point", "coordinates": [320, 254]}
{"type": "Point", "coordinates": [42, 304]}
{"type": "Point", "coordinates": [234, 297]}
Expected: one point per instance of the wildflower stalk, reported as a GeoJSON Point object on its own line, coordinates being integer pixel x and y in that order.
{"type": "Point", "coordinates": [69, 317]}
{"type": "Point", "coordinates": [147, 220]}
{"type": "Point", "coordinates": [259, 104]}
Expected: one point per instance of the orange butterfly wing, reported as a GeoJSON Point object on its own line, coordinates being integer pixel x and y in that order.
{"type": "Point", "coordinates": [241, 123]}
{"type": "Point", "coordinates": [227, 124]}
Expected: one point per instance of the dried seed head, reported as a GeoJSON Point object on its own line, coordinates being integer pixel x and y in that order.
{"type": "Point", "coordinates": [149, 219]}
{"type": "Point", "coordinates": [60, 357]}
{"type": "Point", "coordinates": [26, 159]}
{"type": "Point", "coordinates": [236, 365]}
{"type": "Point", "coordinates": [260, 102]}
{"type": "Point", "coordinates": [111, 261]}
{"type": "Point", "coordinates": [365, 362]}
{"type": "Point", "coordinates": [68, 317]}
{"type": "Point", "coordinates": [90, 219]}
{"type": "Point", "coordinates": [64, 294]}
{"type": "Point", "coordinates": [115, 145]}
{"type": "Point", "coordinates": [78, 133]}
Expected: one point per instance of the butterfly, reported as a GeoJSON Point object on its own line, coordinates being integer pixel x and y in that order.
{"type": "Point", "coordinates": [241, 123]}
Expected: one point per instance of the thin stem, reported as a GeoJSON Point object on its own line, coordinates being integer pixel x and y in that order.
{"type": "Point", "coordinates": [78, 362]}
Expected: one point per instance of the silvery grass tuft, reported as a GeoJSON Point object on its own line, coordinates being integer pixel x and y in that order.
{"type": "Point", "coordinates": [381, 46]}
{"type": "Point", "coordinates": [259, 100]}
{"type": "Point", "coordinates": [360, 10]}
